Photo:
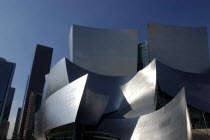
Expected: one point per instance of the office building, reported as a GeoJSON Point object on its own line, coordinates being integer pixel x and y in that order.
{"type": "Point", "coordinates": [9, 103]}
{"type": "Point", "coordinates": [32, 100]}
{"type": "Point", "coordinates": [4, 129]}
{"type": "Point", "coordinates": [6, 95]}
{"type": "Point", "coordinates": [17, 123]}
{"type": "Point", "coordinates": [6, 75]}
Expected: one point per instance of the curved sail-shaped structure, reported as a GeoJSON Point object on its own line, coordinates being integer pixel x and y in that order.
{"type": "Point", "coordinates": [109, 86]}
{"type": "Point", "coordinates": [63, 73]}
{"type": "Point", "coordinates": [98, 93]}
{"type": "Point", "coordinates": [183, 48]}
{"type": "Point", "coordinates": [131, 95]}
{"type": "Point", "coordinates": [86, 99]}
{"type": "Point", "coordinates": [61, 108]}
{"type": "Point", "coordinates": [170, 122]}
{"type": "Point", "coordinates": [92, 107]}
{"type": "Point", "coordinates": [139, 93]}
{"type": "Point", "coordinates": [197, 86]}
{"type": "Point", "coordinates": [104, 51]}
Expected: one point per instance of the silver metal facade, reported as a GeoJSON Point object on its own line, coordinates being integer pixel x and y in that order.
{"type": "Point", "coordinates": [101, 88]}
{"type": "Point", "coordinates": [87, 100]}
{"type": "Point", "coordinates": [61, 108]}
{"type": "Point", "coordinates": [63, 73]}
{"type": "Point", "coordinates": [140, 91]}
{"type": "Point", "coordinates": [183, 48]}
{"type": "Point", "coordinates": [39, 124]}
{"type": "Point", "coordinates": [197, 86]}
{"type": "Point", "coordinates": [109, 86]}
{"type": "Point", "coordinates": [104, 51]}
{"type": "Point", "coordinates": [133, 92]}
{"type": "Point", "coordinates": [56, 79]}
{"type": "Point", "coordinates": [168, 123]}
{"type": "Point", "coordinates": [91, 108]}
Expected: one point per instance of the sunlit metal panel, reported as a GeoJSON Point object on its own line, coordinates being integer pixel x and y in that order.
{"type": "Point", "coordinates": [139, 92]}
{"type": "Point", "coordinates": [63, 73]}
{"type": "Point", "coordinates": [168, 123]}
{"type": "Point", "coordinates": [61, 108]}
{"type": "Point", "coordinates": [132, 95]}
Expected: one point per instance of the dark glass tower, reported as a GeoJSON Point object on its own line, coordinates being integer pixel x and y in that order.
{"type": "Point", "coordinates": [6, 76]}
{"type": "Point", "coordinates": [17, 123]}
{"type": "Point", "coordinates": [6, 95]}
{"type": "Point", "coordinates": [32, 99]}
{"type": "Point", "coordinates": [9, 103]}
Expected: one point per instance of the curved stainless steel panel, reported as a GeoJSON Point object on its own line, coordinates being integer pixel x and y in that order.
{"type": "Point", "coordinates": [39, 125]}
{"type": "Point", "coordinates": [168, 123]}
{"type": "Point", "coordinates": [109, 86]}
{"type": "Point", "coordinates": [139, 92]}
{"type": "Point", "coordinates": [99, 84]}
{"type": "Point", "coordinates": [61, 108]}
{"type": "Point", "coordinates": [63, 73]}
{"type": "Point", "coordinates": [121, 90]}
{"type": "Point", "coordinates": [197, 86]}
{"type": "Point", "coordinates": [56, 79]}
{"type": "Point", "coordinates": [91, 108]}
{"type": "Point", "coordinates": [104, 51]}
{"type": "Point", "coordinates": [183, 48]}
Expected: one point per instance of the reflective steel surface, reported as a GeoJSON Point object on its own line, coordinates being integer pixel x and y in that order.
{"type": "Point", "coordinates": [87, 100]}
{"type": "Point", "coordinates": [183, 48]}
{"type": "Point", "coordinates": [39, 125]}
{"type": "Point", "coordinates": [61, 108]}
{"type": "Point", "coordinates": [101, 88]}
{"type": "Point", "coordinates": [104, 51]}
{"type": "Point", "coordinates": [197, 86]}
{"type": "Point", "coordinates": [139, 92]}
{"type": "Point", "coordinates": [132, 94]}
{"type": "Point", "coordinates": [109, 86]}
{"type": "Point", "coordinates": [168, 123]}
{"type": "Point", "coordinates": [91, 108]}
{"type": "Point", "coordinates": [63, 73]}
{"type": "Point", "coordinates": [56, 79]}
{"type": "Point", "coordinates": [126, 101]}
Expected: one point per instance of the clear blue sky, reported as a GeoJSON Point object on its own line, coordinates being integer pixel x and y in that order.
{"type": "Point", "coordinates": [25, 23]}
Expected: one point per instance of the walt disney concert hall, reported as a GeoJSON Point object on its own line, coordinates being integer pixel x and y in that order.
{"type": "Point", "coordinates": [114, 88]}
